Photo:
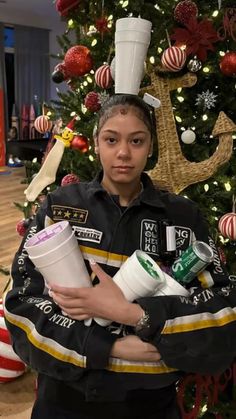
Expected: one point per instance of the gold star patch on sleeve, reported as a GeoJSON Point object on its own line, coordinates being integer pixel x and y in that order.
{"type": "Point", "coordinates": [76, 215]}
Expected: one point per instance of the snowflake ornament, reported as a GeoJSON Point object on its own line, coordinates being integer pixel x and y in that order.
{"type": "Point", "coordinates": [103, 97]}
{"type": "Point", "coordinates": [206, 99]}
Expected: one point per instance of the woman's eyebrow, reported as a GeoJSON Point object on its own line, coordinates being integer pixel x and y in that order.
{"type": "Point", "coordinates": [131, 133]}
{"type": "Point", "coordinates": [110, 130]}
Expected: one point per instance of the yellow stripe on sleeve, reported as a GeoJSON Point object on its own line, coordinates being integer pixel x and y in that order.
{"type": "Point", "coordinates": [199, 321]}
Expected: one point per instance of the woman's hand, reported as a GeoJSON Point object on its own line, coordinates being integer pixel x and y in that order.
{"type": "Point", "coordinates": [104, 300]}
{"type": "Point", "coordinates": [132, 348]}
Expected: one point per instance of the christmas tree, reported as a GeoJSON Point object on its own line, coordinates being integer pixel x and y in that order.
{"type": "Point", "coordinates": [191, 64]}
{"type": "Point", "coordinates": [203, 34]}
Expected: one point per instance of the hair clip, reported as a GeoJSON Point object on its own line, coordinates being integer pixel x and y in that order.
{"type": "Point", "coordinates": [151, 100]}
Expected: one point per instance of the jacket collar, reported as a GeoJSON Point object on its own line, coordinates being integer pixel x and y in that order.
{"type": "Point", "coordinates": [150, 194]}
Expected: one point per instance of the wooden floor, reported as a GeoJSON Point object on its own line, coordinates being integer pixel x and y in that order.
{"type": "Point", "coordinates": [11, 190]}
{"type": "Point", "coordinates": [16, 397]}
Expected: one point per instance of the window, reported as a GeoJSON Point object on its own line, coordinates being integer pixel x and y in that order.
{"type": "Point", "coordinates": [9, 38]}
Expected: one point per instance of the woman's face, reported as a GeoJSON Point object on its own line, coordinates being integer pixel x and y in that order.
{"type": "Point", "coordinates": [123, 144]}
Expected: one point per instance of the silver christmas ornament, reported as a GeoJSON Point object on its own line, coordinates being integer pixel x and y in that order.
{"type": "Point", "coordinates": [188, 136]}
{"type": "Point", "coordinates": [194, 65]}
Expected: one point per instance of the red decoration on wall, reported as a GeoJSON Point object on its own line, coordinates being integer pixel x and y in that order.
{"type": "Point", "coordinates": [31, 122]}
{"type": "Point", "coordinates": [24, 125]}
{"type": "Point", "coordinates": [78, 61]}
{"type": "Point", "coordinates": [198, 37]}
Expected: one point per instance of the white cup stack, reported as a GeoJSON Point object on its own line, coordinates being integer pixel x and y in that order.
{"type": "Point", "coordinates": [140, 276]}
{"type": "Point", "coordinates": [56, 254]}
{"type": "Point", "coordinates": [132, 39]}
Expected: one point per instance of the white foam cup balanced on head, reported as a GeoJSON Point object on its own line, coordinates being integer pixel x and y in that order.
{"type": "Point", "coordinates": [56, 254]}
{"type": "Point", "coordinates": [132, 39]}
{"type": "Point", "coordinates": [140, 276]}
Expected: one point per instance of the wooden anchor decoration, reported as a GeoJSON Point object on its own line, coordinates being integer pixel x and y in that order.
{"type": "Point", "coordinates": [173, 171]}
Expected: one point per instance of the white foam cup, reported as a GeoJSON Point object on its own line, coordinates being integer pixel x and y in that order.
{"type": "Point", "coordinates": [139, 276]}
{"type": "Point", "coordinates": [133, 24]}
{"type": "Point", "coordinates": [63, 264]}
{"type": "Point", "coordinates": [47, 238]}
{"type": "Point", "coordinates": [132, 39]}
{"type": "Point", "coordinates": [171, 287]}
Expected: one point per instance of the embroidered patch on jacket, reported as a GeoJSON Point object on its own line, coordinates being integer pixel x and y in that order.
{"type": "Point", "coordinates": [76, 215]}
{"type": "Point", "coordinates": [184, 237]}
{"type": "Point", "coordinates": [87, 234]}
{"type": "Point", "coordinates": [148, 236]}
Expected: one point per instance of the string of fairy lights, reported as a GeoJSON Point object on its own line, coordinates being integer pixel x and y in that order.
{"type": "Point", "coordinates": [179, 95]}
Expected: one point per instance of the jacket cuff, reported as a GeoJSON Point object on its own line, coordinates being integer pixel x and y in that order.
{"type": "Point", "coordinates": [157, 320]}
{"type": "Point", "coordinates": [98, 347]}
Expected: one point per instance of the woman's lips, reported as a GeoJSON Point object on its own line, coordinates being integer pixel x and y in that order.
{"type": "Point", "coordinates": [123, 169]}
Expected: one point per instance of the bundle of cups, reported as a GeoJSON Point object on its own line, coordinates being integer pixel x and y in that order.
{"type": "Point", "coordinates": [56, 254]}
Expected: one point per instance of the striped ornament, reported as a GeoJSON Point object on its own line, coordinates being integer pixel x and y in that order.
{"type": "Point", "coordinates": [173, 58]}
{"type": "Point", "coordinates": [42, 124]}
{"type": "Point", "coordinates": [103, 76]}
{"type": "Point", "coordinates": [227, 225]}
{"type": "Point", "coordinates": [11, 365]}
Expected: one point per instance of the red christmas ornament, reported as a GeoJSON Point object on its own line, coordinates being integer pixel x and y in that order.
{"type": "Point", "coordinates": [184, 10]}
{"type": "Point", "coordinates": [228, 64]}
{"type": "Point", "coordinates": [197, 36]}
{"type": "Point", "coordinates": [101, 25]}
{"type": "Point", "coordinates": [70, 178]}
{"type": "Point", "coordinates": [78, 61]}
{"type": "Point", "coordinates": [21, 227]}
{"type": "Point", "coordinates": [65, 6]}
{"type": "Point", "coordinates": [103, 76]}
{"type": "Point", "coordinates": [227, 225]}
{"type": "Point", "coordinates": [11, 366]}
{"type": "Point", "coordinates": [80, 142]}
{"type": "Point", "coordinates": [42, 124]}
{"type": "Point", "coordinates": [92, 101]}
{"type": "Point", "coordinates": [173, 58]}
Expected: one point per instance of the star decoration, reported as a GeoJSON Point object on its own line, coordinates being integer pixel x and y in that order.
{"type": "Point", "coordinates": [206, 99]}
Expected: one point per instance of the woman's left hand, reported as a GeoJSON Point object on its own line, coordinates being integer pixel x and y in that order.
{"type": "Point", "coordinates": [104, 300]}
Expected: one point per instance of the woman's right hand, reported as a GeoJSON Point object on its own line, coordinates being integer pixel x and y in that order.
{"type": "Point", "coordinates": [132, 348]}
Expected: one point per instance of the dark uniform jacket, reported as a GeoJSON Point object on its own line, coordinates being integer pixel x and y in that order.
{"type": "Point", "coordinates": [193, 334]}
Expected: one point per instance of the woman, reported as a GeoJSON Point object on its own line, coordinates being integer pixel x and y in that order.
{"type": "Point", "coordinates": [130, 368]}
